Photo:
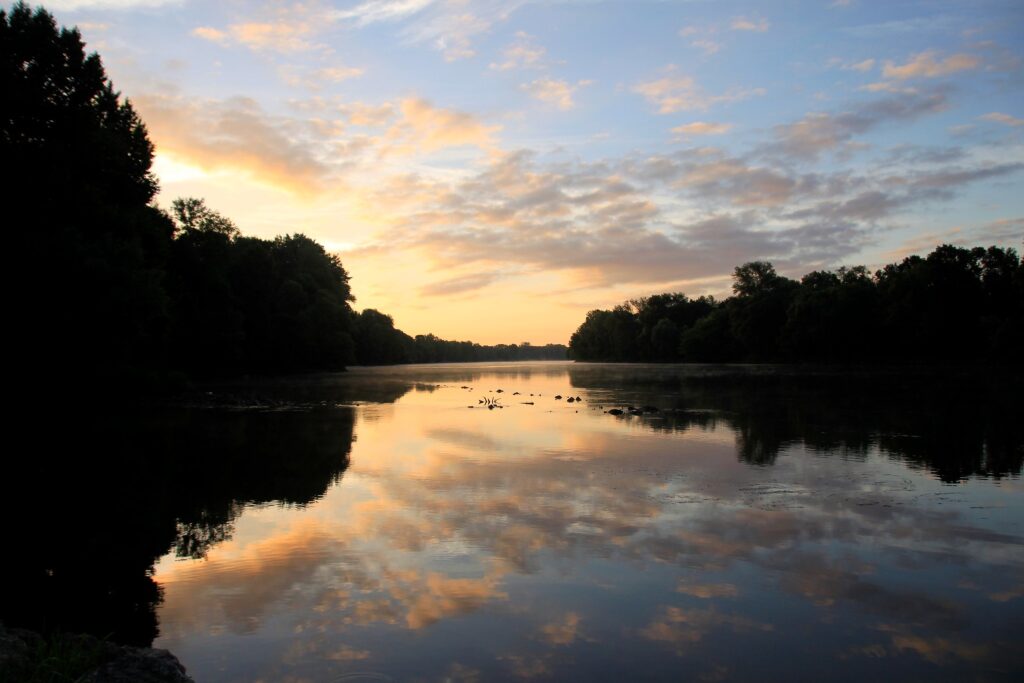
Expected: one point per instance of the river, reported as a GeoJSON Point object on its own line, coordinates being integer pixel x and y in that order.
{"type": "Point", "coordinates": [743, 523]}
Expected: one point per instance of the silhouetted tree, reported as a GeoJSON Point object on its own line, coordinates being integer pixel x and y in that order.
{"type": "Point", "coordinates": [192, 215]}
{"type": "Point", "coordinates": [242, 304]}
{"type": "Point", "coordinates": [76, 188]}
{"type": "Point", "coordinates": [956, 304]}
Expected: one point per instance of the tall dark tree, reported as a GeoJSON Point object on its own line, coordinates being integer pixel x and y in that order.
{"type": "Point", "coordinates": [76, 187]}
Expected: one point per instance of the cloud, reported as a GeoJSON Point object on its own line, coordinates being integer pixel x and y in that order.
{"type": "Point", "coordinates": [707, 46]}
{"type": "Point", "coordinates": [862, 66]}
{"type": "Point", "coordinates": [272, 36]}
{"type": "Point", "coordinates": [704, 40]}
{"type": "Point", "coordinates": [739, 183]}
{"type": "Point", "coordinates": [285, 30]}
{"type": "Point", "coordinates": [999, 117]}
{"type": "Point", "coordinates": [683, 628]}
{"type": "Point", "coordinates": [702, 128]}
{"type": "Point", "coordinates": [376, 11]}
{"type": "Point", "coordinates": [1002, 231]}
{"type": "Point", "coordinates": [459, 285]}
{"type": "Point", "coordinates": [424, 128]}
{"type": "Point", "coordinates": [212, 34]}
{"type": "Point", "coordinates": [107, 4]}
{"type": "Point", "coordinates": [925, 65]}
{"type": "Point", "coordinates": [817, 133]}
{"type": "Point", "coordinates": [316, 79]}
{"type": "Point", "coordinates": [452, 27]}
{"type": "Point", "coordinates": [562, 632]}
{"type": "Point", "coordinates": [676, 92]}
{"type": "Point", "coordinates": [455, 35]}
{"type": "Point", "coordinates": [305, 155]}
{"type": "Point", "coordinates": [707, 591]}
{"type": "Point", "coordinates": [347, 654]}
{"type": "Point", "coordinates": [523, 53]}
{"type": "Point", "coordinates": [235, 133]}
{"type": "Point", "coordinates": [440, 597]}
{"type": "Point", "coordinates": [555, 92]}
{"type": "Point", "coordinates": [601, 224]}
{"type": "Point", "coordinates": [757, 24]}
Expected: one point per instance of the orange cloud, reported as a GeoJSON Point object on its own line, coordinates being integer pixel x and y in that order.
{"type": "Point", "coordinates": [562, 632]}
{"type": "Point", "coordinates": [682, 628]}
{"type": "Point", "coordinates": [675, 92]}
{"type": "Point", "coordinates": [926, 65]}
{"type": "Point", "coordinates": [706, 591]}
{"type": "Point", "coordinates": [702, 128]}
{"type": "Point", "coordinates": [234, 133]}
{"type": "Point", "coordinates": [425, 128]}
{"type": "Point", "coordinates": [556, 92]}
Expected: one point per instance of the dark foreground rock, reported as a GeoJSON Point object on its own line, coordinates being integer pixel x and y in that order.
{"type": "Point", "coordinates": [27, 656]}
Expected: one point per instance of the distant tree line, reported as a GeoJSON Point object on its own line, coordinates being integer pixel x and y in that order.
{"type": "Point", "coordinates": [378, 342]}
{"type": "Point", "coordinates": [956, 304]}
{"type": "Point", "coordinates": [107, 284]}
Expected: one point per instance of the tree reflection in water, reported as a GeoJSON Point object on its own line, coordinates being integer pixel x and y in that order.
{"type": "Point", "coordinates": [100, 497]}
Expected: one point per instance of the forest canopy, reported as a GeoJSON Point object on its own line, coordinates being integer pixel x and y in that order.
{"type": "Point", "coordinates": [954, 305]}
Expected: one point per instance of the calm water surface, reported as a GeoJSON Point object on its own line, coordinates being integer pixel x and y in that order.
{"type": "Point", "coordinates": [385, 525]}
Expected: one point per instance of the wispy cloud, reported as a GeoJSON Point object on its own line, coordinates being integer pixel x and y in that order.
{"type": "Point", "coordinates": [862, 66]}
{"type": "Point", "coordinates": [1000, 117]}
{"type": "Point", "coordinates": [555, 92]}
{"type": "Point", "coordinates": [523, 53]}
{"type": "Point", "coordinates": [316, 79]}
{"type": "Point", "coordinates": [753, 23]}
{"type": "Point", "coordinates": [817, 133]}
{"type": "Point", "coordinates": [383, 10]}
{"type": "Point", "coordinates": [459, 285]}
{"type": "Point", "coordinates": [928, 64]}
{"type": "Point", "coordinates": [707, 46]}
{"type": "Point", "coordinates": [702, 128]}
{"type": "Point", "coordinates": [291, 29]}
{"type": "Point", "coordinates": [452, 28]}
{"type": "Point", "coordinates": [675, 92]}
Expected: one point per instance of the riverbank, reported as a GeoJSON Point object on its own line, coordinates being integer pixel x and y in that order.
{"type": "Point", "coordinates": [28, 657]}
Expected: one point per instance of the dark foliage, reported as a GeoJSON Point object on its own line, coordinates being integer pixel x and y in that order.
{"type": "Point", "coordinates": [113, 287]}
{"type": "Point", "coordinates": [242, 304]}
{"type": "Point", "coordinates": [378, 342]}
{"type": "Point", "coordinates": [76, 188]}
{"type": "Point", "coordinates": [955, 305]}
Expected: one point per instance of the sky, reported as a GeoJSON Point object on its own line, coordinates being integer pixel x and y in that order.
{"type": "Point", "coordinates": [492, 170]}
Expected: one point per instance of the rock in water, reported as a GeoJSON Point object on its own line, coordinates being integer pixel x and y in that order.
{"type": "Point", "coordinates": [140, 665]}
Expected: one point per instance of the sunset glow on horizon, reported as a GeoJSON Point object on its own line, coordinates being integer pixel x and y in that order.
{"type": "Point", "coordinates": [492, 170]}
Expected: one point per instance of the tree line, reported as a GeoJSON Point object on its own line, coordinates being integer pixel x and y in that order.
{"type": "Point", "coordinates": [954, 305]}
{"type": "Point", "coordinates": [109, 285]}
